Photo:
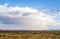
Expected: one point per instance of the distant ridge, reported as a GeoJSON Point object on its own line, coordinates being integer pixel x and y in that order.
{"type": "Point", "coordinates": [26, 30]}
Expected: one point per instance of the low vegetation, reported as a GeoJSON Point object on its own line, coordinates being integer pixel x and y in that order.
{"type": "Point", "coordinates": [29, 34]}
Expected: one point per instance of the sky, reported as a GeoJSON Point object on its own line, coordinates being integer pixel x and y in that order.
{"type": "Point", "coordinates": [29, 15]}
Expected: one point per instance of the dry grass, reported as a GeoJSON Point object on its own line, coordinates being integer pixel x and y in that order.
{"type": "Point", "coordinates": [30, 35]}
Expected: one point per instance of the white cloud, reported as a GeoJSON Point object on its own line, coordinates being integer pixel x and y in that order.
{"type": "Point", "coordinates": [25, 18]}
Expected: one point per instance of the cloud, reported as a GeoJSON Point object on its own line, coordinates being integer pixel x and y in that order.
{"type": "Point", "coordinates": [25, 18]}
